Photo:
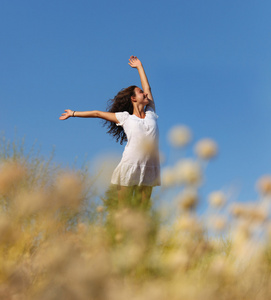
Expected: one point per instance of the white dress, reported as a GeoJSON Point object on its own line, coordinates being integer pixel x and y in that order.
{"type": "Point", "coordinates": [140, 164]}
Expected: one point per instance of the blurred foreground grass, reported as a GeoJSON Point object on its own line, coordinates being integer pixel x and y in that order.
{"type": "Point", "coordinates": [55, 245]}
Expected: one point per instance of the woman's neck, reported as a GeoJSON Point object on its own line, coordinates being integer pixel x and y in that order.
{"type": "Point", "coordinates": [139, 112]}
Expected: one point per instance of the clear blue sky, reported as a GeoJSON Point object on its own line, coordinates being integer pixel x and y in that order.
{"type": "Point", "coordinates": [208, 62]}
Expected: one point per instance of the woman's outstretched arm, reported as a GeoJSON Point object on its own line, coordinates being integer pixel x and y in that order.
{"type": "Point", "coordinates": [108, 116]}
{"type": "Point", "coordinates": [134, 62]}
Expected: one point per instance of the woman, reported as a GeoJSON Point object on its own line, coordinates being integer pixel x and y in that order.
{"type": "Point", "coordinates": [131, 117]}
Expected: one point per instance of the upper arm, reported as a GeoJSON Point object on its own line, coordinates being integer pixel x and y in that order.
{"type": "Point", "coordinates": [108, 116]}
{"type": "Point", "coordinates": [148, 91]}
{"type": "Point", "coordinates": [150, 97]}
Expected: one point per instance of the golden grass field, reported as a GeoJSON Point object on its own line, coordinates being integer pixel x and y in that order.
{"type": "Point", "coordinates": [56, 242]}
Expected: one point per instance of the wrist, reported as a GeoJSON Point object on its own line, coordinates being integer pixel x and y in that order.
{"type": "Point", "coordinates": [73, 114]}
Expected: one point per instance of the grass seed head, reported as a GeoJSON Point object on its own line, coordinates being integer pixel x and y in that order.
{"type": "Point", "coordinates": [206, 149]}
{"type": "Point", "coordinates": [249, 212]}
{"type": "Point", "coordinates": [30, 202]}
{"type": "Point", "coordinates": [100, 209]}
{"type": "Point", "coordinates": [218, 223]}
{"type": "Point", "coordinates": [179, 136]}
{"type": "Point", "coordinates": [217, 199]}
{"type": "Point", "coordinates": [264, 185]}
{"type": "Point", "coordinates": [11, 173]}
{"type": "Point", "coordinates": [69, 189]}
{"type": "Point", "coordinates": [188, 171]}
{"type": "Point", "coordinates": [188, 199]}
{"type": "Point", "coordinates": [168, 177]}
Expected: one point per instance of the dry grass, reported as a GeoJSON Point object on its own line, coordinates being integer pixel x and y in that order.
{"type": "Point", "coordinates": [53, 245]}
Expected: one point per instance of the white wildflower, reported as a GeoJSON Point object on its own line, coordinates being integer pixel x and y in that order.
{"type": "Point", "coordinates": [217, 199]}
{"type": "Point", "coordinates": [179, 136]}
{"type": "Point", "coordinates": [206, 149]}
{"type": "Point", "coordinates": [188, 172]}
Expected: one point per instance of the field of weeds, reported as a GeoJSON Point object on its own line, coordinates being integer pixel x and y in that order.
{"type": "Point", "coordinates": [56, 242]}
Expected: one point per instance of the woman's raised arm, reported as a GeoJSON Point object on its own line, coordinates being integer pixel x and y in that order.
{"type": "Point", "coordinates": [134, 62]}
{"type": "Point", "coordinates": [108, 116]}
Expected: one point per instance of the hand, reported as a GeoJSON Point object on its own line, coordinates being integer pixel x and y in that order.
{"type": "Point", "coordinates": [134, 62]}
{"type": "Point", "coordinates": [68, 113]}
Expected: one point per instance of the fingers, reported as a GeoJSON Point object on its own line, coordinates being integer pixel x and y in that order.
{"type": "Point", "coordinates": [134, 62]}
{"type": "Point", "coordinates": [131, 63]}
{"type": "Point", "coordinates": [64, 116]}
{"type": "Point", "coordinates": [133, 58]}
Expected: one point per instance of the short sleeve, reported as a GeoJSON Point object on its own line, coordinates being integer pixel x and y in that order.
{"type": "Point", "coordinates": [121, 117]}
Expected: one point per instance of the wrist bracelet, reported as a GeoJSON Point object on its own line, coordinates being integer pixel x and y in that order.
{"type": "Point", "coordinates": [73, 113]}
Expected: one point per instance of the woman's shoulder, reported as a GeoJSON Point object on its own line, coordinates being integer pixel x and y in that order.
{"type": "Point", "coordinates": [122, 116]}
{"type": "Point", "coordinates": [150, 110]}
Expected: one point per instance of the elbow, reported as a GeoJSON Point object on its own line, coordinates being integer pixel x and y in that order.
{"type": "Point", "coordinates": [96, 114]}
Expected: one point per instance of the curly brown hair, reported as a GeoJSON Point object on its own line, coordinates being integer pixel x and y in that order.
{"type": "Point", "coordinates": [121, 102]}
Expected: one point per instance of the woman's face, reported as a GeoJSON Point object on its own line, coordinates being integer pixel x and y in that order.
{"type": "Point", "coordinates": [140, 97]}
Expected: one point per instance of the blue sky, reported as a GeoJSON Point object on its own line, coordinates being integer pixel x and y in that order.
{"type": "Point", "coordinates": [208, 64]}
